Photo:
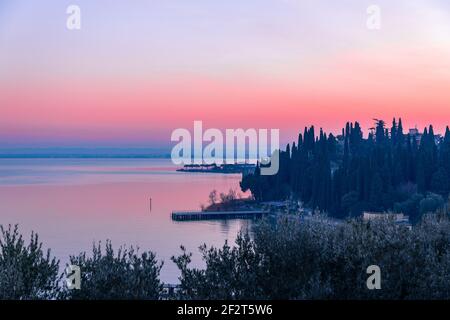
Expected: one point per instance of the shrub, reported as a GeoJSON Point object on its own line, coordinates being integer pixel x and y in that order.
{"type": "Point", "coordinates": [229, 274]}
{"type": "Point", "coordinates": [321, 259]}
{"type": "Point", "coordinates": [26, 272]}
{"type": "Point", "coordinates": [431, 203]}
{"type": "Point", "coordinates": [125, 275]}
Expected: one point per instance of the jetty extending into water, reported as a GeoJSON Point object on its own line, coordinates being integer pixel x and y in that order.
{"type": "Point", "coordinates": [211, 215]}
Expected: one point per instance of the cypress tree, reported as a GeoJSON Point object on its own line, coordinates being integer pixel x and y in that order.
{"type": "Point", "coordinates": [353, 173]}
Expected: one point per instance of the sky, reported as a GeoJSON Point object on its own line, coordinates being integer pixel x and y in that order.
{"type": "Point", "coordinates": [138, 69]}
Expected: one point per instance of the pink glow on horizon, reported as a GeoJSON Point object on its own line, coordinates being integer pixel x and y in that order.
{"type": "Point", "coordinates": [351, 88]}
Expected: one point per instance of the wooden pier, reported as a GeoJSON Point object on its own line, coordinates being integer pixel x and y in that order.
{"type": "Point", "coordinates": [211, 215]}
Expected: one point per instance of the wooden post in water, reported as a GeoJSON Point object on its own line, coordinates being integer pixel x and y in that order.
{"type": "Point", "coordinates": [150, 204]}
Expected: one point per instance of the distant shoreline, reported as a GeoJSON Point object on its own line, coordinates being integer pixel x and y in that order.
{"type": "Point", "coordinates": [64, 156]}
{"type": "Point", "coordinates": [84, 153]}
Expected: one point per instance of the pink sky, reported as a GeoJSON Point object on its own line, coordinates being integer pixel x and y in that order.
{"type": "Point", "coordinates": [117, 83]}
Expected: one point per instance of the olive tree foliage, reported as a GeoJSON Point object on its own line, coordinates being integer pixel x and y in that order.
{"type": "Point", "coordinates": [26, 271]}
{"type": "Point", "coordinates": [229, 274]}
{"type": "Point", "coordinates": [321, 259]}
{"type": "Point", "coordinates": [122, 275]}
{"type": "Point", "coordinates": [286, 258]}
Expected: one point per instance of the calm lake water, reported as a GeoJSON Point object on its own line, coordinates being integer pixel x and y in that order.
{"type": "Point", "coordinates": [73, 202]}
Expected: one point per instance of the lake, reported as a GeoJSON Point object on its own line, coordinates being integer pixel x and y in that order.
{"type": "Point", "coordinates": [72, 203]}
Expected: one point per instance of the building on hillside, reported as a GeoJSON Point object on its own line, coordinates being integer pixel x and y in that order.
{"type": "Point", "coordinates": [415, 134]}
{"type": "Point", "coordinates": [399, 218]}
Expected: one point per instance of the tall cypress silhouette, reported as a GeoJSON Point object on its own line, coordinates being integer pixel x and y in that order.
{"type": "Point", "coordinates": [348, 174]}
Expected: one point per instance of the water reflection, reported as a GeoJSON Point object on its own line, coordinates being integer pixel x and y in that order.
{"type": "Point", "coordinates": [72, 203]}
